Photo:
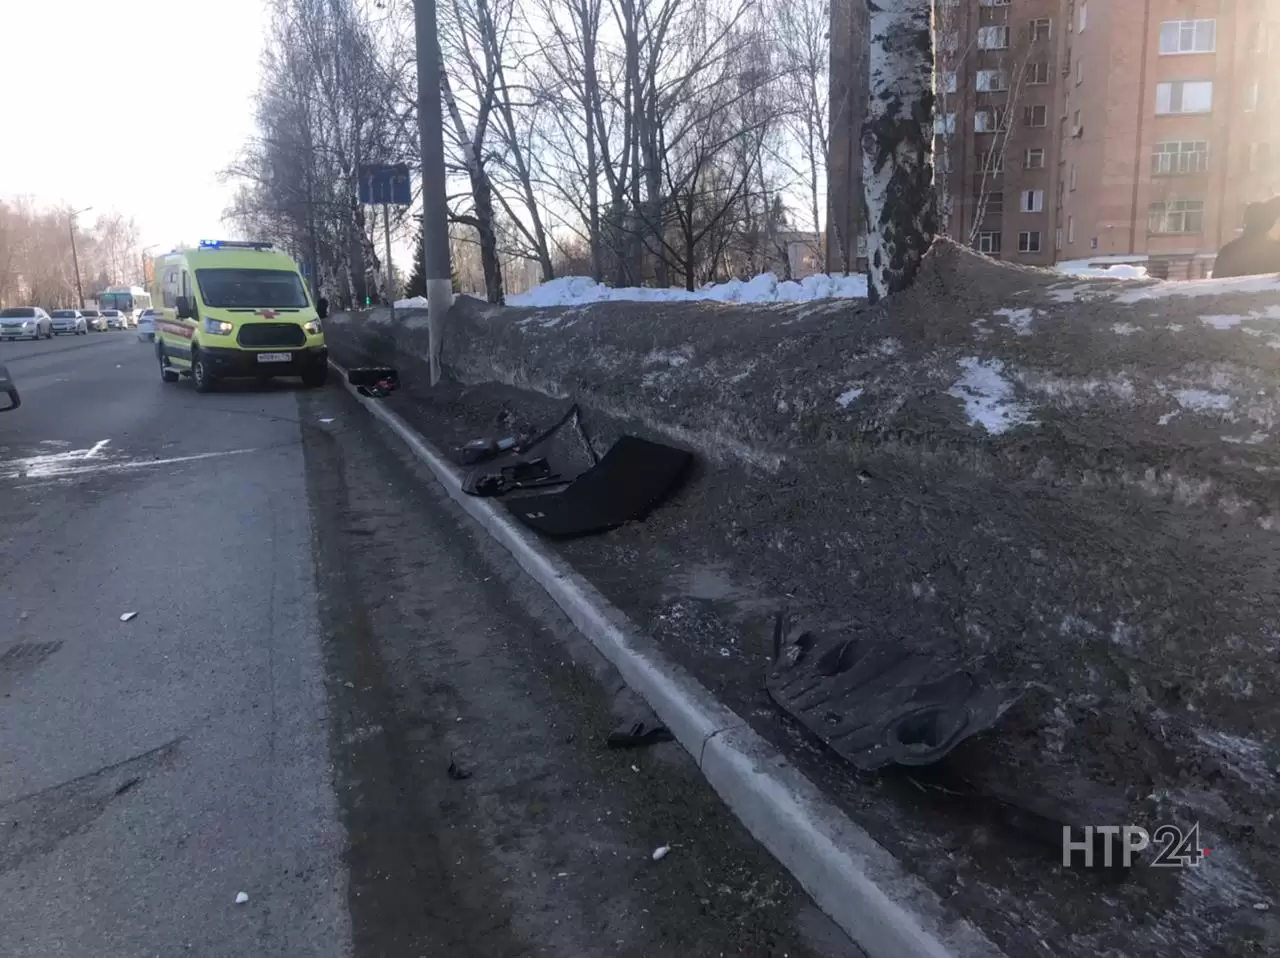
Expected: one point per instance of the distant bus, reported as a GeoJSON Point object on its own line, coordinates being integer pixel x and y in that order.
{"type": "Point", "coordinates": [130, 300]}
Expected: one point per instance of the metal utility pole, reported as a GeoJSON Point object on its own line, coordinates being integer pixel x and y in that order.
{"type": "Point", "coordinates": [435, 222]}
{"type": "Point", "coordinates": [75, 259]}
{"type": "Point", "coordinates": [391, 274]}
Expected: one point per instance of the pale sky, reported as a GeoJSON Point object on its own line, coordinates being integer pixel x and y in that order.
{"type": "Point", "coordinates": [131, 105]}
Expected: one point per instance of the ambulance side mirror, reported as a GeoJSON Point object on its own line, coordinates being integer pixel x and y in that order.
{"type": "Point", "coordinates": [322, 307]}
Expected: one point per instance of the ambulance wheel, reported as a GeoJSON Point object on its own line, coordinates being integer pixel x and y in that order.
{"type": "Point", "coordinates": [316, 376]}
{"type": "Point", "coordinates": [201, 375]}
{"type": "Point", "coordinates": [167, 373]}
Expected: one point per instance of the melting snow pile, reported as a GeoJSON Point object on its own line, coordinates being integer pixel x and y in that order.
{"type": "Point", "coordinates": [1081, 268]}
{"type": "Point", "coordinates": [765, 288]}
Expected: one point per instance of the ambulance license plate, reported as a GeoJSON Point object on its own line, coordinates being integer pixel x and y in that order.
{"type": "Point", "coordinates": [274, 357]}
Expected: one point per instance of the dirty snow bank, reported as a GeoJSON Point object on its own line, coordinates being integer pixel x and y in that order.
{"type": "Point", "coordinates": [765, 288]}
{"type": "Point", "coordinates": [1080, 268]}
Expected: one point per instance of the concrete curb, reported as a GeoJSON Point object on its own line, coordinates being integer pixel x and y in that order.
{"type": "Point", "coordinates": [887, 912]}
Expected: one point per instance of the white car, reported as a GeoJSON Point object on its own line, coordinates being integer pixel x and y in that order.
{"type": "Point", "coordinates": [115, 319]}
{"type": "Point", "coordinates": [25, 322]}
{"type": "Point", "coordinates": [147, 320]}
{"type": "Point", "coordinates": [69, 321]}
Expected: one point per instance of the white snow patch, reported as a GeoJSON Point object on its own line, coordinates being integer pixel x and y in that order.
{"type": "Point", "coordinates": [1223, 322]}
{"type": "Point", "coordinates": [846, 398]}
{"type": "Point", "coordinates": [888, 347]}
{"type": "Point", "coordinates": [1125, 329]}
{"type": "Point", "coordinates": [1175, 327]}
{"type": "Point", "coordinates": [1082, 269]}
{"type": "Point", "coordinates": [1168, 417]}
{"type": "Point", "coordinates": [669, 357]}
{"type": "Point", "coordinates": [765, 288]}
{"type": "Point", "coordinates": [413, 302]}
{"type": "Point", "coordinates": [1246, 757]}
{"type": "Point", "coordinates": [1202, 287]}
{"type": "Point", "coordinates": [1251, 440]}
{"type": "Point", "coordinates": [1201, 400]}
{"type": "Point", "coordinates": [1018, 319]}
{"type": "Point", "coordinates": [988, 396]}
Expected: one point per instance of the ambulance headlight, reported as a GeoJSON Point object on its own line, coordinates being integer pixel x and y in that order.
{"type": "Point", "coordinates": [312, 328]}
{"type": "Point", "coordinates": [217, 327]}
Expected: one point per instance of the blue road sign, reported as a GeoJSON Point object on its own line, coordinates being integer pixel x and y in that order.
{"type": "Point", "coordinates": [380, 183]}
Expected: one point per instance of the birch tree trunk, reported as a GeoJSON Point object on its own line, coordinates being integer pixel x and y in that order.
{"type": "Point", "coordinates": [897, 144]}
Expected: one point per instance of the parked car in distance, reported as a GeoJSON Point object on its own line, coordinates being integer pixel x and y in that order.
{"type": "Point", "coordinates": [69, 321]}
{"type": "Point", "coordinates": [147, 320]}
{"type": "Point", "coordinates": [115, 319]}
{"type": "Point", "coordinates": [97, 322]}
{"type": "Point", "coordinates": [25, 322]}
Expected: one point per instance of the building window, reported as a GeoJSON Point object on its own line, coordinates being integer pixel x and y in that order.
{"type": "Point", "coordinates": [1037, 73]}
{"type": "Point", "coordinates": [992, 161]}
{"type": "Point", "coordinates": [1176, 216]}
{"type": "Point", "coordinates": [993, 3]}
{"type": "Point", "coordinates": [988, 242]}
{"type": "Point", "coordinates": [947, 82]}
{"type": "Point", "coordinates": [1040, 29]}
{"type": "Point", "coordinates": [1250, 97]}
{"type": "Point", "coordinates": [944, 123]}
{"type": "Point", "coordinates": [1071, 229]}
{"type": "Point", "coordinates": [1034, 159]}
{"type": "Point", "coordinates": [993, 38]}
{"type": "Point", "coordinates": [949, 41]}
{"type": "Point", "coordinates": [1188, 36]}
{"type": "Point", "coordinates": [1083, 14]}
{"type": "Point", "coordinates": [1029, 241]}
{"type": "Point", "coordinates": [1180, 156]}
{"type": "Point", "coordinates": [1071, 178]}
{"type": "Point", "coordinates": [1035, 115]}
{"type": "Point", "coordinates": [941, 158]}
{"type": "Point", "coordinates": [1057, 238]}
{"type": "Point", "coordinates": [1033, 201]}
{"type": "Point", "coordinates": [992, 81]}
{"type": "Point", "coordinates": [1079, 72]}
{"type": "Point", "coordinates": [1184, 96]}
{"type": "Point", "coordinates": [989, 121]}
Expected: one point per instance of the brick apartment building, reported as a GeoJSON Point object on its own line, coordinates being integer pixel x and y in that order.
{"type": "Point", "coordinates": [1114, 130]}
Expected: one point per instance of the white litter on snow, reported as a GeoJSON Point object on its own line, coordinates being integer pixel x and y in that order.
{"type": "Point", "coordinates": [988, 396]}
{"type": "Point", "coordinates": [1125, 329]}
{"type": "Point", "coordinates": [241, 897]}
{"type": "Point", "coordinates": [765, 288]}
{"type": "Point", "coordinates": [326, 420]}
{"type": "Point", "coordinates": [846, 398]}
{"type": "Point", "coordinates": [1018, 320]}
{"type": "Point", "coordinates": [81, 462]}
{"type": "Point", "coordinates": [1253, 439]}
{"type": "Point", "coordinates": [1167, 418]}
{"type": "Point", "coordinates": [661, 852]}
{"type": "Point", "coordinates": [126, 616]}
{"type": "Point", "coordinates": [413, 302]}
{"type": "Point", "coordinates": [1201, 400]}
{"type": "Point", "coordinates": [669, 357]}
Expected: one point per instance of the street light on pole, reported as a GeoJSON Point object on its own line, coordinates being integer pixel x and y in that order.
{"type": "Point", "coordinates": [75, 259]}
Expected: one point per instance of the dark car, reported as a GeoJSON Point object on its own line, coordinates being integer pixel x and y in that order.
{"type": "Point", "coordinates": [96, 321]}
{"type": "Point", "coordinates": [8, 388]}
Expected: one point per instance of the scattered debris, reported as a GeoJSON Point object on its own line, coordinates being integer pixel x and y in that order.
{"type": "Point", "coordinates": [241, 897]}
{"type": "Point", "coordinates": [376, 382]}
{"type": "Point", "coordinates": [456, 773]}
{"type": "Point", "coordinates": [522, 474]}
{"type": "Point", "coordinates": [876, 703]}
{"type": "Point", "coordinates": [1261, 906]}
{"type": "Point", "coordinates": [328, 420]}
{"type": "Point", "coordinates": [661, 852]}
{"type": "Point", "coordinates": [633, 478]}
{"type": "Point", "coordinates": [638, 734]}
{"type": "Point", "coordinates": [126, 616]}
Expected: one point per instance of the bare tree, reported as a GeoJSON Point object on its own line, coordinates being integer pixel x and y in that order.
{"type": "Point", "coordinates": [897, 148]}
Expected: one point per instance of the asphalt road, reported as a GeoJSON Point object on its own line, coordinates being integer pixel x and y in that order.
{"type": "Point", "coordinates": [319, 635]}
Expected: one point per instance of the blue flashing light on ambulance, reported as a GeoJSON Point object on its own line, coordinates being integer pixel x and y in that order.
{"type": "Point", "coordinates": [236, 309]}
